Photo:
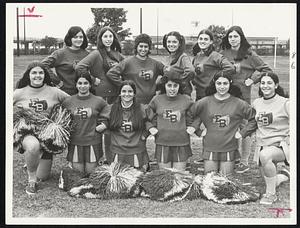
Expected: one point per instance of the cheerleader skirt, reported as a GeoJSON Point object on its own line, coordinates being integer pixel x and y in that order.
{"type": "Point", "coordinates": [82, 154]}
{"type": "Point", "coordinates": [166, 154]}
{"type": "Point", "coordinates": [221, 156]}
{"type": "Point", "coordinates": [135, 160]}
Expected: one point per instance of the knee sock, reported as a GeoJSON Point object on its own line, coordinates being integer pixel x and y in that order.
{"type": "Point", "coordinates": [32, 176]}
{"type": "Point", "coordinates": [271, 184]}
{"type": "Point", "coordinates": [281, 178]}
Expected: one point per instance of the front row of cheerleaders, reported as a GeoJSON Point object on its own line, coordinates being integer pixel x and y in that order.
{"type": "Point", "coordinates": [171, 117]}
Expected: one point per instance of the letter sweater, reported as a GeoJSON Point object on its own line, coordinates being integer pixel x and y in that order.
{"type": "Point", "coordinates": [39, 99]}
{"type": "Point", "coordinates": [172, 116]}
{"type": "Point", "coordinates": [250, 63]}
{"type": "Point", "coordinates": [86, 110]}
{"type": "Point", "coordinates": [272, 118]}
{"type": "Point", "coordinates": [222, 119]}
{"type": "Point", "coordinates": [94, 63]}
{"type": "Point", "coordinates": [143, 72]}
{"type": "Point", "coordinates": [208, 66]}
{"type": "Point", "coordinates": [64, 61]}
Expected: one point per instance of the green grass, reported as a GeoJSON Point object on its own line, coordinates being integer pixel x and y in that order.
{"type": "Point", "coordinates": [53, 202]}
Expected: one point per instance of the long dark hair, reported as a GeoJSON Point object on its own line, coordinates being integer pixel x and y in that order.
{"type": "Point", "coordinates": [115, 46]}
{"type": "Point", "coordinates": [87, 76]}
{"type": "Point", "coordinates": [234, 90]}
{"type": "Point", "coordinates": [279, 90]}
{"type": "Point", "coordinates": [244, 45]}
{"type": "Point", "coordinates": [71, 33]}
{"type": "Point", "coordinates": [116, 113]}
{"type": "Point", "coordinates": [25, 80]}
{"type": "Point", "coordinates": [210, 49]}
{"type": "Point", "coordinates": [181, 47]}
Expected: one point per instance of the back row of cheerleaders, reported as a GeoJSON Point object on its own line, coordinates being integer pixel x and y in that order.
{"type": "Point", "coordinates": [121, 101]}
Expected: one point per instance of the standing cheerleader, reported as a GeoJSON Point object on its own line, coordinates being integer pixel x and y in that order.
{"type": "Point", "coordinates": [35, 92]}
{"type": "Point", "coordinates": [207, 62]}
{"type": "Point", "coordinates": [143, 70]}
{"type": "Point", "coordinates": [221, 111]}
{"type": "Point", "coordinates": [174, 43]}
{"type": "Point", "coordinates": [238, 51]}
{"type": "Point", "coordinates": [273, 134]}
{"type": "Point", "coordinates": [172, 122]}
{"type": "Point", "coordinates": [98, 63]}
{"type": "Point", "coordinates": [64, 60]}
{"type": "Point", "coordinates": [128, 123]}
{"type": "Point", "coordinates": [85, 147]}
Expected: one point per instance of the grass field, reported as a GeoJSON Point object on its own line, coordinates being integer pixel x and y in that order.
{"type": "Point", "coordinates": [52, 202]}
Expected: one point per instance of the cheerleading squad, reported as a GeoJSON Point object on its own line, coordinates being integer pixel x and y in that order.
{"type": "Point", "coordinates": [115, 103]}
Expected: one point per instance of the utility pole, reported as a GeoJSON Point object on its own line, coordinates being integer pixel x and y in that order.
{"type": "Point", "coordinates": [24, 32]}
{"type": "Point", "coordinates": [157, 31]}
{"type": "Point", "coordinates": [141, 20]}
{"type": "Point", "coordinates": [18, 39]}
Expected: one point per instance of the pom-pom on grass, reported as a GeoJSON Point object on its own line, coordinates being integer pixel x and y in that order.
{"type": "Point", "coordinates": [165, 184]}
{"type": "Point", "coordinates": [107, 182]}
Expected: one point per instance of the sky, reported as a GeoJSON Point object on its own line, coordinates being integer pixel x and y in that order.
{"type": "Point", "coordinates": [264, 20]}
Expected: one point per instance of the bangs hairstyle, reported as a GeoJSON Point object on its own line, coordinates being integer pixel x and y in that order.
{"type": "Point", "coordinates": [115, 46]}
{"type": "Point", "coordinates": [181, 47]}
{"type": "Point", "coordinates": [279, 90]}
{"type": "Point", "coordinates": [142, 38]}
{"type": "Point", "coordinates": [116, 114]}
{"type": "Point", "coordinates": [87, 76]}
{"type": "Point", "coordinates": [25, 80]}
{"type": "Point", "coordinates": [72, 33]}
{"type": "Point", "coordinates": [244, 45]}
{"type": "Point", "coordinates": [210, 49]}
{"type": "Point", "coordinates": [234, 90]}
{"type": "Point", "coordinates": [173, 76]}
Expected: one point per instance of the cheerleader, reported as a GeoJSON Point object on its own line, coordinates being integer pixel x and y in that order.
{"type": "Point", "coordinates": [272, 135]}
{"type": "Point", "coordinates": [207, 62]}
{"type": "Point", "coordinates": [171, 123]}
{"type": "Point", "coordinates": [85, 147]}
{"type": "Point", "coordinates": [222, 111]}
{"type": "Point", "coordinates": [64, 60]}
{"type": "Point", "coordinates": [128, 124]}
{"type": "Point", "coordinates": [238, 51]}
{"type": "Point", "coordinates": [35, 92]}
{"type": "Point", "coordinates": [98, 63]}
{"type": "Point", "coordinates": [143, 70]}
{"type": "Point", "coordinates": [174, 43]}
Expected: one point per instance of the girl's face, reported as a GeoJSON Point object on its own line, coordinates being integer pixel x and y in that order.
{"type": "Point", "coordinates": [127, 93]}
{"type": "Point", "coordinates": [234, 39]}
{"type": "Point", "coordinates": [142, 49]}
{"type": "Point", "coordinates": [268, 86]}
{"type": "Point", "coordinates": [172, 89]}
{"type": "Point", "coordinates": [204, 41]}
{"type": "Point", "coordinates": [172, 44]}
{"type": "Point", "coordinates": [83, 86]}
{"type": "Point", "coordinates": [36, 76]}
{"type": "Point", "coordinates": [222, 86]}
{"type": "Point", "coordinates": [107, 38]}
{"type": "Point", "coordinates": [77, 40]}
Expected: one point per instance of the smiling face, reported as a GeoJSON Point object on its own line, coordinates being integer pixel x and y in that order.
{"type": "Point", "coordinates": [77, 40]}
{"type": "Point", "coordinates": [107, 38]}
{"type": "Point", "coordinates": [204, 41]}
{"type": "Point", "coordinates": [83, 86]}
{"type": "Point", "coordinates": [267, 86]}
{"type": "Point", "coordinates": [172, 44]}
{"type": "Point", "coordinates": [36, 76]}
{"type": "Point", "coordinates": [222, 86]}
{"type": "Point", "coordinates": [234, 39]}
{"type": "Point", "coordinates": [142, 49]}
{"type": "Point", "coordinates": [127, 94]}
{"type": "Point", "coordinates": [172, 89]}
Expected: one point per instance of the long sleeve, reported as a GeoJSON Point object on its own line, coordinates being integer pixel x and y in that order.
{"type": "Point", "coordinates": [50, 62]}
{"type": "Point", "coordinates": [259, 65]}
{"type": "Point", "coordinates": [224, 64]}
{"type": "Point", "coordinates": [89, 62]}
{"type": "Point", "coordinates": [249, 114]}
{"type": "Point", "coordinates": [104, 114]}
{"type": "Point", "coordinates": [115, 73]}
{"type": "Point", "coordinates": [195, 113]}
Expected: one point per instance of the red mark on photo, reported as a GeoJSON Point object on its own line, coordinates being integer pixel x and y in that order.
{"type": "Point", "coordinates": [30, 10]}
{"type": "Point", "coordinates": [280, 211]}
